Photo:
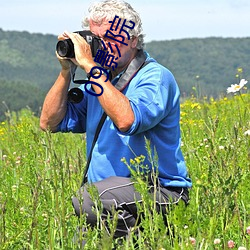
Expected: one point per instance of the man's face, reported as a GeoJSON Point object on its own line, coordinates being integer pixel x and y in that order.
{"type": "Point", "coordinates": [126, 51]}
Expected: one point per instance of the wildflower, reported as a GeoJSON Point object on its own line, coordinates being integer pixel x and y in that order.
{"type": "Point", "coordinates": [221, 147]}
{"type": "Point", "coordinates": [240, 70]}
{"type": "Point", "coordinates": [230, 244]}
{"type": "Point", "coordinates": [237, 87]}
{"type": "Point", "coordinates": [242, 248]}
{"type": "Point", "coordinates": [198, 182]}
{"type": "Point", "coordinates": [14, 188]}
{"type": "Point", "coordinates": [248, 230]}
{"type": "Point", "coordinates": [195, 106]}
{"type": "Point", "coordinates": [192, 240]}
{"type": "Point", "coordinates": [22, 210]}
{"type": "Point", "coordinates": [132, 162]}
{"type": "Point", "coordinates": [123, 160]}
{"type": "Point", "coordinates": [137, 159]}
{"type": "Point", "coordinates": [45, 216]}
{"type": "Point", "coordinates": [216, 241]}
{"type": "Point", "coordinates": [247, 133]}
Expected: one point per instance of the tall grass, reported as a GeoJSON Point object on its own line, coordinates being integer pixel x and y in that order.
{"type": "Point", "coordinates": [40, 172]}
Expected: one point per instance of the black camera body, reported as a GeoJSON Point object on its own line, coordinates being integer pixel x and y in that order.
{"type": "Point", "coordinates": [65, 48]}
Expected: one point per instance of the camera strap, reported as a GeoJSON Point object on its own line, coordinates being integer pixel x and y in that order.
{"type": "Point", "coordinates": [136, 64]}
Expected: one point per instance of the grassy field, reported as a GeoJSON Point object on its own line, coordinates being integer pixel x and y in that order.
{"type": "Point", "coordinates": [40, 172]}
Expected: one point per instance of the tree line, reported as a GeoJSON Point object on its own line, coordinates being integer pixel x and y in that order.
{"type": "Point", "coordinates": [202, 67]}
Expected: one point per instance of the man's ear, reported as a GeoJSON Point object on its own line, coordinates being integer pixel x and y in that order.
{"type": "Point", "coordinates": [134, 42]}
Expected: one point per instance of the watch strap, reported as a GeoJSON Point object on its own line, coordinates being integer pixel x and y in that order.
{"type": "Point", "coordinates": [93, 72]}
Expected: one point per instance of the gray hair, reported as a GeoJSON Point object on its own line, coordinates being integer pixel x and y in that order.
{"type": "Point", "coordinates": [108, 9]}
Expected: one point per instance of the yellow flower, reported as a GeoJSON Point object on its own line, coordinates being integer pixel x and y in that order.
{"type": "Point", "coordinates": [138, 160]}
{"type": "Point", "coordinates": [183, 113]}
{"type": "Point", "coordinates": [195, 105]}
{"type": "Point", "coordinates": [240, 70]}
{"type": "Point", "coordinates": [132, 162]}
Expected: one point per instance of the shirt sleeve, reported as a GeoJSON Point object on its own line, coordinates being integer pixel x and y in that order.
{"type": "Point", "coordinates": [75, 117]}
{"type": "Point", "coordinates": [153, 98]}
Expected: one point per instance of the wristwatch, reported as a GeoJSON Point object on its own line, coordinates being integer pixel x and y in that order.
{"type": "Point", "coordinates": [93, 72]}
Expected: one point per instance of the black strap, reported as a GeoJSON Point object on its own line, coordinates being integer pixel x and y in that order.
{"type": "Point", "coordinates": [97, 132]}
{"type": "Point", "coordinates": [136, 64]}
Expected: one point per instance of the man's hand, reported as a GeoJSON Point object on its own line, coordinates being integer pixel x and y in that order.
{"type": "Point", "coordinates": [66, 63]}
{"type": "Point", "coordinates": [83, 54]}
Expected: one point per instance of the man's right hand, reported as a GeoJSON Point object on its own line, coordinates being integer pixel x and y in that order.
{"type": "Point", "coordinates": [65, 62]}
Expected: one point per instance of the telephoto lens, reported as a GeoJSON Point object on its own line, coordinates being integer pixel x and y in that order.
{"type": "Point", "coordinates": [65, 48]}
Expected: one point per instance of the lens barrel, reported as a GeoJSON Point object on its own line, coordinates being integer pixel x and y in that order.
{"type": "Point", "coordinates": [75, 95]}
{"type": "Point", "coordinates": [65, 48]}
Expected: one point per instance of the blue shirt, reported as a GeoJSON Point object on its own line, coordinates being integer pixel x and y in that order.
{"type": "Point", "coordinates": [154, 97]}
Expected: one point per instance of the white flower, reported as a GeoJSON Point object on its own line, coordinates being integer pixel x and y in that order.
{"type": "Point", "coordinates": [217, 241]}
{"type": "Point", "coordinates": [242, 248]}
{"type": "Point", "coordinates": [221, 147]}
{"type": "Point", "coordinates": [246, 133]}
{"type": "Point", "coordinates": [237, 87]}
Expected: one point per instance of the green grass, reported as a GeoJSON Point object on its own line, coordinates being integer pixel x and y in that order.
{"type": "Point", "coordinates": [40, 172]}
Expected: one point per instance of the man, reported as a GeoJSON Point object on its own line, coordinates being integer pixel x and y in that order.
{"type": "Point", "coordinates": [141, 100]}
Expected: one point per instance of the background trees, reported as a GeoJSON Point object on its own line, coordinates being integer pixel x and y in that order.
{"type": "Point", "coordinates": [202, 67]}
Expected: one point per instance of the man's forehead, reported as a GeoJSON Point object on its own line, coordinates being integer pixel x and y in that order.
{"type": "Point", "coordinates": [101, 27]}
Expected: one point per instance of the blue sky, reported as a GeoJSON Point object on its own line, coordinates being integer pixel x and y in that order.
{"type": "Point", "coordinates": [162, 19]}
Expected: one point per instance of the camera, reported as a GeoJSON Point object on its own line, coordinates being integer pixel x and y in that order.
{"type": "Point", "coordinates": [65, 48]}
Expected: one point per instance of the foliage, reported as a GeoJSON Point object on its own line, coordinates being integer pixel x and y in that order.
{"type": "Point", "coordinates": [14, 95]}
{"type": "Point", "coordinates": [208, 62]}
{"type": "Point", "coordinates": [40, 172]}
{"type": "Point", "coordinates": [28, 58]}
{"type": "Point", "coordinates": [28, 68]}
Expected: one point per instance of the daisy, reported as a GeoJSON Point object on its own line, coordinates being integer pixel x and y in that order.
{"type": "Point", "coordinates": [237, 87]}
